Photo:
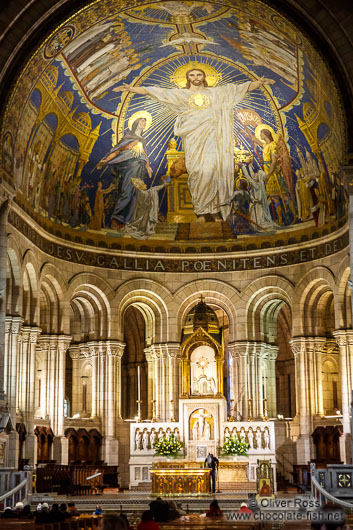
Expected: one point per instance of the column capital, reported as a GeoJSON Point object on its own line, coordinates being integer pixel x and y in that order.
{"type": "Point", "coordinates": [341, 337]}
{"type": "Point", "coordinates": [115, 348]}
{"type": "Point", "coordinates": [87, 350]}
{"type": "Point", "coordinates": [31, 333]}
{"type": "Point", "coordinates": [238, 349]}
{"type": "Point", "coordinates": [173, 350]}
{"type": "Point", "coordinates": [17, 323]}
{"type": "Point", "coordinates": [64, 342]}
{"type": "Point", "coordinates": [8, 324]}
{"type": "Point", "coordinates": [298, 345]}
{"type": "Point", "coordinates": [74, 352]}
{"type": "Point", "coordinates": [271, 352]}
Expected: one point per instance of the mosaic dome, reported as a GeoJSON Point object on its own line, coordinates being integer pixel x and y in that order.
{"type": "Point", "coordinates": [176, 127]}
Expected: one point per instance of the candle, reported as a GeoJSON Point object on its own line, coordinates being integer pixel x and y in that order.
{"type": "Point", "coordinates": [138, 383]}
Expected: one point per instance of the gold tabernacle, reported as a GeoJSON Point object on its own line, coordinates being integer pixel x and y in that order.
{"type": "Point", "coordinates": [180, 481]}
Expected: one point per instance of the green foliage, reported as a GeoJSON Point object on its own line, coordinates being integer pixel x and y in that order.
{"type": "Point", "coordinates": [234, 446]}
{"type": "Point", "coordinates": [165, 447]}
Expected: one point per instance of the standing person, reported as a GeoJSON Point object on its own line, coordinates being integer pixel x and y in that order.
{"type": "Point", "coordinates": [98, 218]}
{"type": "Point", "coordinates": [211, 462]}
{"type": "Point", "coordinates": [128, 159]}
{"type": "Point", "coordinates": [276, 186]}
{"type": "Point", "coordinates": [205, 125]}
{"type": "Point", "coordinates": [259, 210]}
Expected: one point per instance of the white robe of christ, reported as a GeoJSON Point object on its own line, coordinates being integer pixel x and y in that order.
{"type": "Point", "coordinates": [205, 125]}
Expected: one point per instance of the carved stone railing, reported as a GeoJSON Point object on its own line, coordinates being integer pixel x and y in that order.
{"type": "Point", "coordinates": [143, 435]}
{"type": "Point", "coordinates": [260, 435]}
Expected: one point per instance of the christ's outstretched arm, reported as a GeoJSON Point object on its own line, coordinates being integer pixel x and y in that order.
{"type": "Point", "coordinates": [128, 88]}
{"type": "Point", "coordinates": [262, 81]}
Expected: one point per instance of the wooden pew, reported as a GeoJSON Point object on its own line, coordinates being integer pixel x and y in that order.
{"type": "Point", "coordinates": [79, 523]}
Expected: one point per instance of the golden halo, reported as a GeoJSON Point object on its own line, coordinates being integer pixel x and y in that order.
{"type": "Point", "coordinates": [179, 76]}
{"type": "Point", "coordinates": [140, 114]}
{"type": "Point", "coordinates": [269, 128]}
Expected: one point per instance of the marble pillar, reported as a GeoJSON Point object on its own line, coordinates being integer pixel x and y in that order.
{"type": "Point", "coordinates": [303, 443]}
{"type": "Point", "coordinates": [239, 376]}
{"type": "Point", "coordinates": [344, 339]}
{"type": "Point", "coordinates": [5, 202]}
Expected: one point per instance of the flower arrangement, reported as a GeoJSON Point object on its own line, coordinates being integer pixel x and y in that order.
{"type": "Point", "coordinates": [234, 446]}
{"type": "Point", "coordinates": [168, 446]}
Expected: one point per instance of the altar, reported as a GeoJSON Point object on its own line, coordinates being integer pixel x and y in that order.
{"type": "Point", "coordinates": [180, 481]}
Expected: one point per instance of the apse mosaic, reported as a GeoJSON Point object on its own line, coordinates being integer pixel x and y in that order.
{"type": "Point", "coordinates": [176, 121]}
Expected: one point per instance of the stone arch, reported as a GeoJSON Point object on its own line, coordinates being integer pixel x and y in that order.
{"type": "Point", "coordinates": [262, 301]}
{"type": "Point", "coordinates": [90, 298]}
{"type": "Point", "coordinates": [152, 300]}
{"type": "Point", "coordinates": [30, 289]}
{"type": "Point", "coordinates": [54, 317]}
{"type": "Point", "coordinates": [343, 297]}
{"type": "Point", "coordinates": [314, 303]}
{"type": "Point", "coordinates": [215, 292]}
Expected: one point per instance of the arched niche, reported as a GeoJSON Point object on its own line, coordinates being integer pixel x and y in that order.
{"type": "Point", "coordinates": [198, 343]}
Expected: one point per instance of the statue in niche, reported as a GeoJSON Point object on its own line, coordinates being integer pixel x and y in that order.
{"type": "Point", "coordinates": [145, 440]}
{"type": "Point", "coordinates": [251, 438]}
{"type": "Point", "coordinates": [153, 438]}
{"type": "Point", "coordinates": [168, 433]}
{"type": "Point", "coordinates": [226, 433]}
{"type": "Point", "coordinates": [201, 428]}
{"type": "Point", "coordinates": [138, 439]}
{"type": "Point", "coordinates": [160, 434]}
{"type": "Point", "coordinates": [207, 434]}
{"type": "Point", "coordinates": [242, 434]}
{"type": "Point", "coordinates": [267, 438]}
{"type": "Point", "coordinates": [258, 438]}
{"type": "Point", "coordinates": [195, 430]}
{"type": "Point", "coordinates": [177, 435]}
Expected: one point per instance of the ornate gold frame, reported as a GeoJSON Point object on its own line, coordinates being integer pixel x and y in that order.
{"type": "Point", "coordinates": [198, 338]}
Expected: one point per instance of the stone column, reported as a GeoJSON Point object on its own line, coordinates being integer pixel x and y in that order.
{"type": "Point", "coordinates": [259, 375]}
{"type": "Point", "coordinates": [271, 352]}
{"type": "Point", "coordinates": [13, 332]}
{"type": "Point", "coordinates": [303, 444]}
{"type": "Point", "coordinates": [344, 340]}
{"type": "Point", "coordinates": [150, 381]}
{"type": "Point", "coordinates": [239, 374]}
{"type": "Point", "coordinates": [319, 343]}
{"type": "Point", "coordinates": [27, 392]}
{"type": "Point", "coordinates": [5, 201]}
{"type": "Point", "coordinates": [174, 362]}
{"type": "Point", "coordinates": [60, 445]}
{"type": "Point", "coordinates": [348, 181]}
{"type": "Point", "coordinates": [74, 352]}
{"type": "Point", "coordinates": [113, 353]}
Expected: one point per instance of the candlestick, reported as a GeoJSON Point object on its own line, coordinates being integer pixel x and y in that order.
{"type": "Point", "coordinates": [265, 410]}
{"type": "Point", "coordinates": [138, 410]}
{"type": "Point", "coordinates": [138, 383]}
